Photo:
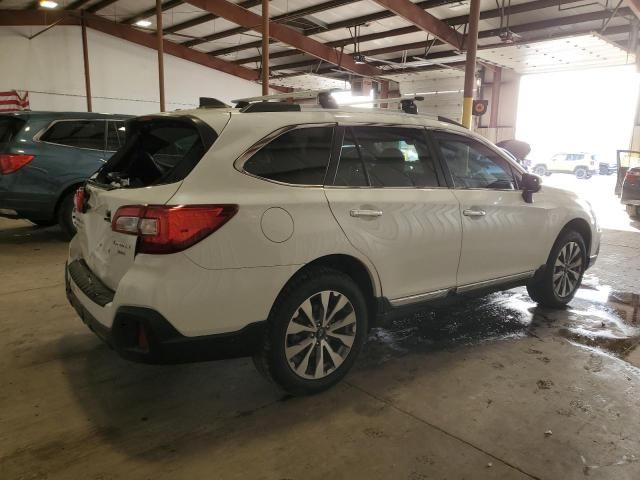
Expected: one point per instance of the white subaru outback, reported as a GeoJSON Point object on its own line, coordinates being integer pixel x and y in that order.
{"type": "Point", "coordinates": [285, 235]}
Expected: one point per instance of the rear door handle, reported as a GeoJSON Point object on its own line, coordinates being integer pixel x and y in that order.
{"type": "Point", "coordinates": [473, 213]}
{"type": "Point", "coordinates": [365, 213]}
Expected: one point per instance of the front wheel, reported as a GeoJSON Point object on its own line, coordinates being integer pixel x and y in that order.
{"type": "Point", "coordinates": [558, 283]}
{"type": "Point", "coordinates": [315, 332]}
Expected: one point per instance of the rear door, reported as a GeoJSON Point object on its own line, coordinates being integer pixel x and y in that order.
{"type": "Point", "coordinates": [390, 199]}
{"type": "Point", "coordinates": [159, 152]}
{"type": "Point", "coordinates": [499, 229]}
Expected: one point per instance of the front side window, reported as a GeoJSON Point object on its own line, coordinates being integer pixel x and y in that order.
{"type": "Point", "coordinates": [474, 165]}
{"type": "Point", "coordinates": [77, 133]}
{"type": "Point", "coordinates": [299, 157]}
{"type": "Point", "coordinates": [386, 157]}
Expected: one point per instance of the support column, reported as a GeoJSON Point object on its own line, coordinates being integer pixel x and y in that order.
{"type": "Point", "coordinates": [471, 45]}
{"type": "Point", "coordinates": [85, 56]}
{"type": "Point", "coordinates": [384, 92]}
{"type": "Point", "coordinates": [495, 97]}
{"type": "Point", "coordinates": [265, 47]}
{"type": "Point", "coordinates": [160, 53]}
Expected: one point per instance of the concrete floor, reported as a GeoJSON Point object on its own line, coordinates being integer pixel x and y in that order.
{"type": "Point", "coordinates": [466, 392]}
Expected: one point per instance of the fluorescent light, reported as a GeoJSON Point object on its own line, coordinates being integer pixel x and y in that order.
{"type": "Point", "coordinates": [143, 23]}
{"type": "Point", "coordinates": [48, 4]}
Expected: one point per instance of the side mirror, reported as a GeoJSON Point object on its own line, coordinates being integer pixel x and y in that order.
{"type": "Point", "coordinates": [530, 184]}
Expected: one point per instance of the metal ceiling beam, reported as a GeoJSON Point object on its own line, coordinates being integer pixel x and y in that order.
{"type": "Point", "coordinates": [206, 18]}
{"type": "Point", "coordinates": [248, 19]}
{"type": "Point", "coordinates": [634, 5]}
{"type": "Point", "coordinates": [100, 5]}
{"type": "Point", "coordinates": [459, 20]}
{"type": "Point", "coordinates": [151, 11]}
{"type": "Point", "coordinates": [494, 32]}
{"type": "Point", "coordinates": [127, 33]}
{"type": "Point", "coordinates": [77, 4]}
{"type": "Point", "coordinates": [285, 17]}
{"type": "Point", "coordinates": [424, 21]}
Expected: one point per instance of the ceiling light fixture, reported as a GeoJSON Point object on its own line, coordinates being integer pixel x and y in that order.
{"type": "Point", "coordinates": [48, 4]}
{"type": "Point", "coordinates": [359, 59]}
{"type": "Point", "coordinates": [143, 23]}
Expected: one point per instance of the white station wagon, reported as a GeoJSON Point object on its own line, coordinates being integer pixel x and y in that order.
{"type": "Point", "coordinates": [285, 233]}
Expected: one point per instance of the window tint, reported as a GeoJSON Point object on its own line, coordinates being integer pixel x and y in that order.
{"type": "Point", "coordinates": [9, 127]}
{"type": "Point", "coordinates": [115, 135]}
{"type": "Point", "coordinates": [386, 157]}
{"type": "Point", "coordinates": [158, 151]}
{"type": "Point", "coordinates": [77, 133]}
{"type": "Point", "coordinates": [299, 156]}
{"type": "Point", "coordinates": [474, 165]}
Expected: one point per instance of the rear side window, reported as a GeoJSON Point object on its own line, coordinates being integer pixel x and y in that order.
{"type": "Point", "coordinates": [77, 133]}
{"type": "Point", "coordinates": [157, 151]}
{"type": "Point", "coordinates": [299, 157]}
{"type": "Point", "coordinates": [386, 157]}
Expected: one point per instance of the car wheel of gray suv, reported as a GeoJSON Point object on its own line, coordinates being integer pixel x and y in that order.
{"type": "Point", "coordinates": [315, 331]}
{"type": "Point", "coordinates": [540, 170]}
{"type": "Point", "coordinates": [65, 215]}
{"type": "Point", "coordinates": [558, 282]}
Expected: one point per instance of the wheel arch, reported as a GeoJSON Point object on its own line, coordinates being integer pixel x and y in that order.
{"type": "Point", "coordinates": [64, 192]}
{"type": "Point", "coordinates": [349, 265]}
{"type": "Point", "coordinates": [581, 226]}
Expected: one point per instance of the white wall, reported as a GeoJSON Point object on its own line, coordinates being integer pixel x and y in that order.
{"type": "Point", "coordinates": [124, 76]}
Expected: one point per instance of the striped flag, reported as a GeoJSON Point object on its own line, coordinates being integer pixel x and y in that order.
{"type": "Point", "coordinates": [13, 101]}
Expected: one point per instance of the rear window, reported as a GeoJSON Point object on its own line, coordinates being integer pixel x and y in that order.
{"type": "Point", "coordinates": [157, 151]}
{"type": "Point", "coordinates": [298, 157]}
{"type": "Point", "coordinates": [9, 127]}
{"type": "Point", "coordinates": [77, 133]}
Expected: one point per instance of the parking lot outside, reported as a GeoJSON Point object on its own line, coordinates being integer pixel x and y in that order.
{"type": "Point", "coordinates": [489, 388]}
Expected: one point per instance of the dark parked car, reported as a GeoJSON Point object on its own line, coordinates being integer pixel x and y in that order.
{"type": "Point", "coordinates": [631, 191]}
{"type": "Point", "coordinates": [45, 156]}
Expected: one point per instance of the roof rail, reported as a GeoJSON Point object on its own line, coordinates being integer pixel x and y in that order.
{"type": "Point", "coordinates": [448, 120]}
{"type": "Point", "coordinates": [270, 107]}
{"type": "Point", "coordinates": [323, 97]}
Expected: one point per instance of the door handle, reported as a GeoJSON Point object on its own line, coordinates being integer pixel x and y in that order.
{"type": "Point", "coordinates": [365, 213]}
{"type": "Point", "coordinates": [473, 213]}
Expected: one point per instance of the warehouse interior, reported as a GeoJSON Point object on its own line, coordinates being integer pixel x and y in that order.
{"type": "Point", "coordinates": [489, 387]}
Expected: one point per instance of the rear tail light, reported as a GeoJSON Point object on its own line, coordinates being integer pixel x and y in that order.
{"type": "Point", "coordinates": [12, 162]}
{"type": "Point", "coordinates": [79, 199]}
{"type": "Point", "coordinates": [168, 229]}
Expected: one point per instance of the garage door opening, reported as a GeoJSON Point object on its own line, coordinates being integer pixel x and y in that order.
{"type": "Point", "coordinates": [577, 119]}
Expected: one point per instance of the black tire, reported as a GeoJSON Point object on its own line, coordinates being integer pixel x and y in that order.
{"type": "Point", "coordinates": [633, 211]}
{"type": "Point", "coordinates": [540, 170]}
{"type": "Point", "coordinates": [271, 359]}
{"type": "Point", "coordinates": [65, 215]}
{"type": "Point", "coordinates": [541, 289]}
{"type": "Point", "coordinates": [581, 173]}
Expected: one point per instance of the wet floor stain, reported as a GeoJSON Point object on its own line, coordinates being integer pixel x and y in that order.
{"type": "Point", "coordinates": [597, 317]}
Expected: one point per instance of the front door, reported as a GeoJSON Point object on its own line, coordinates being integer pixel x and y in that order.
{"type": "Point", "coordinates": [390, 199]}
{"type": "Point", "coordinates": [499, 229]}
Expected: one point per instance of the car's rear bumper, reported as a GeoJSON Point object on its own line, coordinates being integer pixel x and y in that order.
{"type": "Point", "coordinates": [143, 335]}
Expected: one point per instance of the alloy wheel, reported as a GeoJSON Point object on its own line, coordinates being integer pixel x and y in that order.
{"type": "Point", "coordinates": [567, 270]}
{"type": "Point", "coordinates": [320, 334]}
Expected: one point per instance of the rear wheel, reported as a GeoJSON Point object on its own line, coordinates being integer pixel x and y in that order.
{"type": "Point", "coordinates": [540, 170]}
{"type": "Point", "coordinates": [65, 215]}
{"type": "Point", "coordinates": [581, 173]}
{"type": "Point", "coordinates": [557, 284]}
{"type": "Point", "coordinates": [633, 211]}
{"type": "Point", "coordinates": [315, 332]}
